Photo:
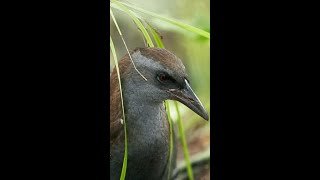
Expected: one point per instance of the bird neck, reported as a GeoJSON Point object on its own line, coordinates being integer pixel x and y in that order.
{"type": "Point", "coordinates": [144, 116]}
{"type": "Point", "coordinates": [148, 133]}
{"type": "Point", "coordinates": [146, 119]}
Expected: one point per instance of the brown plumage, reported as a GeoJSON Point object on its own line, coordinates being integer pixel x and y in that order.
{"type": "Point", "coordinates": [116, 128]}
{"type": "Point", "coordinates": [146, 119]}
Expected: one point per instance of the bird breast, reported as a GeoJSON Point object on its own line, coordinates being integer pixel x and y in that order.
{"type": "Point", "coordinates": [148, 142]}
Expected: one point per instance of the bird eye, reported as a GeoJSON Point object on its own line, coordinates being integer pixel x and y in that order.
{"type": "Point", "coordinates": [163, 77]}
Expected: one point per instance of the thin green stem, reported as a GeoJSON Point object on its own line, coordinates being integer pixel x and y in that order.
{"type": "Point", "coordinates": [125, 158]}
{"type": "Point", "coordinates": [160, 45]}
{"type": "Point", "coordinates": [171, 139]}
{"type": "Point", "coordinates": [156, 37]}
{"type": "Point", "coordinates": [184, 143]}
{"type": "Point", "coordinates": [136, 20]}
{"type": "Point", "coordinates": [125, 44]}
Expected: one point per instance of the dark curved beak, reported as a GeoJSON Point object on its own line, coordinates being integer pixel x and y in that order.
{"type": "Point", "coordinates": [187, 97]}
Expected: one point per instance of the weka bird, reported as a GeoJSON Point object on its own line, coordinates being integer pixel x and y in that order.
{"type": "Point", "coordinates": [146, 119]}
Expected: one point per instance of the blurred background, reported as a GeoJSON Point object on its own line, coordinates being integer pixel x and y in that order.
{"type": "Point", "coordinates": [191, 48]}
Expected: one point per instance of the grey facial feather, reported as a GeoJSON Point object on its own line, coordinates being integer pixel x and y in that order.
{"type": "Point", "coordinates": [142, 61]}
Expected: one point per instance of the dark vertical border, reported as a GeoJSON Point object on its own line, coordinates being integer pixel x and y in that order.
{"type": "Point", "coordinates": [262, 88]}
{"type": "Point", "coordinates": [217, 96]}
{"type": "Point", "coordinates": [61, 67]}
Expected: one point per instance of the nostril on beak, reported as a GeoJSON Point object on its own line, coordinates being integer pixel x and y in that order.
{"type": "Point", "coordinates": [190, 99]}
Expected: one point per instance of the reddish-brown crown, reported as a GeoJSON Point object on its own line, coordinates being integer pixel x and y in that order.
{"type": "Point", "coordinates": [164, 57]}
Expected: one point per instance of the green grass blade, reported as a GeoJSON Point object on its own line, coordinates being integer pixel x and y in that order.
{"type": "Point", "coordinates": [171, 138]}
{"type": "Point", "coordinates": [136, 20]}
{"type": "Point", "coordinates": [184, 143]}
{"type": "Point", "coordinates": [160, 45]}
{"type": "Point", "coordinates": [125, 158]}
{"type": "Point", "coordinates": [125, 44]}
{"type": "Point", "coordinates": [115, 22]}
{"type": "Point", "coordinates": [181, 25]}
{"type": "Point", "coordinates": [155, 36]}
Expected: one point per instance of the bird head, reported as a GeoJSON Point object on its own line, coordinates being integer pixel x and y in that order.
{"type": "Point", "coordinates": [166, 78]}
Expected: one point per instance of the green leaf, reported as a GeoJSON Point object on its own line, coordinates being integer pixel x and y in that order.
{"type": "Point", "coordinates": [125, 44]}
{"type": "Point", "coordinates": [184, 143]}
{"type": "Point", "coordinates": [156, 37]}
{"type": "Point", "coordinates": [136, 20]}
{"type": "Point", "coordinates": [181, 25]}
{"type": "Point", "coordinates": [171, 138]}
{"type": "Point", "coordinates": [125, 158]}
{"type": "Point", "coordinates": [160, 45]}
